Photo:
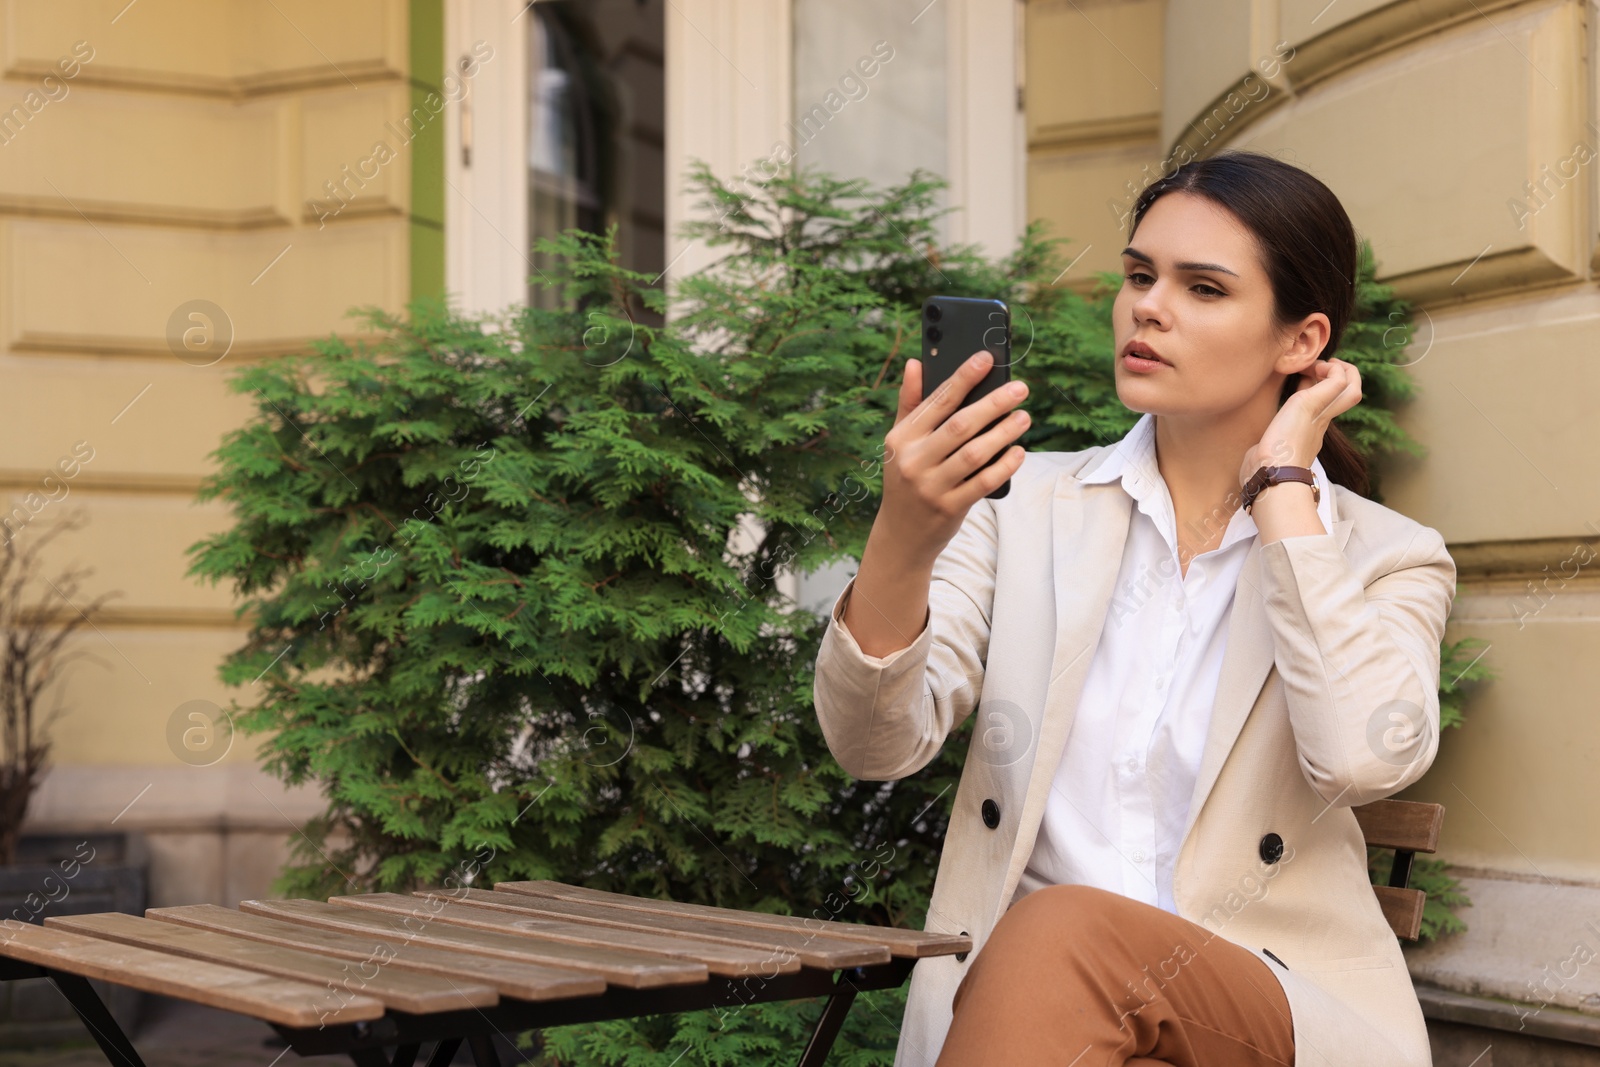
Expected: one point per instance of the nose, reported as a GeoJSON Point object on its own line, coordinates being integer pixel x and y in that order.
{"type": "Point", "coordinates": [1149, 306]}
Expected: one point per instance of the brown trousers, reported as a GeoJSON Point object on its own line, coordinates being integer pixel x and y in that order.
{"type": "Point", "coordinates": [1075, 976]}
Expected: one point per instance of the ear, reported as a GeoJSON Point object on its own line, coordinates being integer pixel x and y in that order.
{"type": "Point", "coordinates": [1305, 342]}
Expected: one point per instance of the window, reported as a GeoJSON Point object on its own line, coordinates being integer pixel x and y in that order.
{"type": "Point", "coordinates": [595, 127]}
{"type": "Point", "coordinates": [565, 188]}
{"type": "Point", "coordinates": [562, 126]}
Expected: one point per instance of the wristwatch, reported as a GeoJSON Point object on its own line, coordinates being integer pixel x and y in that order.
{"type": "Point", "coordinates": [1266, 476]}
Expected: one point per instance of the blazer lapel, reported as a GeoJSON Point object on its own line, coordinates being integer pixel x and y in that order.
{"type": "Point", "coordinates": [1245, 664]}
{"type": "Point", "coordinates": [1088, 528]}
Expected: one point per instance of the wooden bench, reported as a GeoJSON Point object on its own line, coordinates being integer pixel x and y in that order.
{"type": "Point", "coordinates": [377, 976]}
{"type": "Point", "coordinates": [1408, 827]}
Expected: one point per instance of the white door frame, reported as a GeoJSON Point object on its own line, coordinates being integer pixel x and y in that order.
{"type": "Point", "coordinates": [485, 199]}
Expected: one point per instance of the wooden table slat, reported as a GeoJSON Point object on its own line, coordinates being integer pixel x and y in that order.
{"type": "Point", "coordinates": [273, 1000]}
{"type": "Point", "coordinates": [419, 994]}
{"type": "Point", "coordinates": [911, 944]}
{"type": "Point", "coordinates": [525, 981]}
{"type": "Point", "coordinates": [811, 949]}
{"type": "Point", "coordinates": [635, 970]}
{"type": "Point", "coordinates": [729, 960]}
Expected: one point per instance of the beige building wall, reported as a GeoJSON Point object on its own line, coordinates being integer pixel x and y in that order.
{"type": "Point", "coordinates": [1461, 136]}
{"type": "Point", "coordinates": [183, 160]}
{"type": "Point", "coordinates": [186, 155]}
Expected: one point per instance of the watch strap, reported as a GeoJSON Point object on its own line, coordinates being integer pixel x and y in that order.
{"type": "Point", "coordinates": [1268, 476]}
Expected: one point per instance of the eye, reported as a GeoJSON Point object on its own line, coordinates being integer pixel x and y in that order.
{"type": "Point", "coordinates": [1134, 275]}
{"type": "Point", "coordinates": [1214, 289]}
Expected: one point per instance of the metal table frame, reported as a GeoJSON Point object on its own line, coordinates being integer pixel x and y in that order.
{"type": "Point", "coordinates": [397, 1038]}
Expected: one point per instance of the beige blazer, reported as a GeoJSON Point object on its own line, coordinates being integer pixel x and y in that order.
{"type": "Point", "coordinates": [1328, 698]}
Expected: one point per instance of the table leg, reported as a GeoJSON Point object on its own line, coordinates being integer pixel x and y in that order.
{"type": "Point", "coordinates": [102, 1027]}
{"type": "Point", "coordinates": [444, 1052]}
{"type": "Point", "coordinates": [404, 1056]}
{"type": "Point", "coordinates": [483, 1053]}
{"type": "Point", "coordinates": [833, 1013]}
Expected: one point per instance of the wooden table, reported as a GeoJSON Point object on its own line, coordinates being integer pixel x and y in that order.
{"type": "Point", "coordinates": [377, 976]}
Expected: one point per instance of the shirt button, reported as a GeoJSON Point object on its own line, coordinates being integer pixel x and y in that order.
{"type": "Point", "coordinates": [1133, 763]}
{"type": "Point", "coordinates": [1138, 856]}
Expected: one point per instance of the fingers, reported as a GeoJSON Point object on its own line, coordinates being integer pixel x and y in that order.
{"type": "Point", "coordinates": [989, 479]}
{"type": "Point", "coordinates": [934, 409]}
{"type": "Point", "coordinates": [961, 427]}
{"type": "Point", "coordinates": [1335, 389]}
{"type": "Point", "coordinates": [1349, 398]}
{"type": "Point", "coordinates": [1348, 381]}
{"type": "Point", "coordinates": [910, 390]}
{"type": "Point", "coordinates": [1330, 383]}
{"type": "Point", "coordinates": [973, 454]}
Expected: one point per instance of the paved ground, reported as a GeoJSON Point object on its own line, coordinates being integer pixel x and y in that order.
{"type": "Point", "coordinates": [187, 1035]}
{"type": "Point", "coordinates": [178, 1035]}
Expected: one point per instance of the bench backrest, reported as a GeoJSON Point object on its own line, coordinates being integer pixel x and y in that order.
{"type": "Point", "coordinates": [1408, 827]}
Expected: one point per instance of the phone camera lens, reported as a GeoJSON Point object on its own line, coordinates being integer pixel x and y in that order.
{"type": "Point", "coordinates": [933, 313]}
{"type": "Point", "coordinates": [935, 334]}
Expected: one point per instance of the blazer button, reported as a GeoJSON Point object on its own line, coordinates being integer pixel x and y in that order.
{"type": "Point", "coordinates": [1271, 848]}
{"type": "Point", "coordinates": [991, 814]}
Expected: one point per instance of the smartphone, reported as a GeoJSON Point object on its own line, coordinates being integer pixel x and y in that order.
{"type": "Point", "coordinates": [954, 328]}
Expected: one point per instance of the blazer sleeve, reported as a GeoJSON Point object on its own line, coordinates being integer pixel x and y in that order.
{"type": "Point", "coordinates": [886, 717]}
{"type": "Point", "coordinates": [1359, 664]}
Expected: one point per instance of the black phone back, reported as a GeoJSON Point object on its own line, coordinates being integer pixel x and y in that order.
{"type": "Point", "coordinates": [954, 328]}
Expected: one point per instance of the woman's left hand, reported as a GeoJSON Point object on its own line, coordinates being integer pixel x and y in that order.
{"type": "Point", "coordinates": [1293, 438]}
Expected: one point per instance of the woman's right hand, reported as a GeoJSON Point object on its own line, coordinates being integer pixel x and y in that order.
{"type": "Point", "coordinates": [931, 452]}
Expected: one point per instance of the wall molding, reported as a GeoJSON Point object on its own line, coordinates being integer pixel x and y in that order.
{"type": "Point", "coordinates": [365, 73]}
{"type": "Point", "coordinates": [49, 207]}
{"type": "Point", "coordinates": [22, 480]}
{"type": "Point", "coordinates": [1096, 133]}
{"type": "Point", "coordinates": [150, 618]}
{"type": "Point", "coordinates": [356, 209]}
{"type": "Point", "coordinates": [34, 343]}
{"type": "Point", "coordinates": [1517, 561]}
{"type": "Point", "coordinates": [1385, 29]}
{"type": "Point", "coordinates": [1320, 58]}
{"type": "Point", "coordinates": [1516, 272]}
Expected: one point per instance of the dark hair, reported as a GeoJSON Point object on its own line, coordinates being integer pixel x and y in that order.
{"type": "Point", "coordinates": [1307, 245]}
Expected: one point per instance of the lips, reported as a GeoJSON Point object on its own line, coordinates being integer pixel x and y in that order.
{"type": "Point", "coordinates": [1139, 348]}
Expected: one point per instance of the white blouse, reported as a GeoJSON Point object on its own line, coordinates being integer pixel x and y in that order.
{"type": "Point", "coordinates": [1117, 807]}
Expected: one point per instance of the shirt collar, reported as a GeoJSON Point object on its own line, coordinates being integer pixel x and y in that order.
{"type": "Point", "coordinates": [1133, 462]}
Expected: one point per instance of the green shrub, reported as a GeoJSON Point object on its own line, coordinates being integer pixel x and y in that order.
{"type": "Point", "coordinates": [501, 614]}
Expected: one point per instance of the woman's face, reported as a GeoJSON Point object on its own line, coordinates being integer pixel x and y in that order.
{"type": "Point", "coordinates": [1194, 290]}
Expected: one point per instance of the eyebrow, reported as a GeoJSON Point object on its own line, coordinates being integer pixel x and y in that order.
{"type": "Point", "coordinates": [1187, 265]}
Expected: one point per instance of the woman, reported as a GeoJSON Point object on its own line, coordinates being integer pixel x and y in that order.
{"type": "Point", "coordinates": [1180, 699]}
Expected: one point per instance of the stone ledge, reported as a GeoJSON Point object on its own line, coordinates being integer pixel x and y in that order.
{"type": "Point", "coordinates": [1533, 943]}
{"type": "Point", "coordinates": [1491, 1013]}
{"type": "Point", "coordinates": [229, 796]}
